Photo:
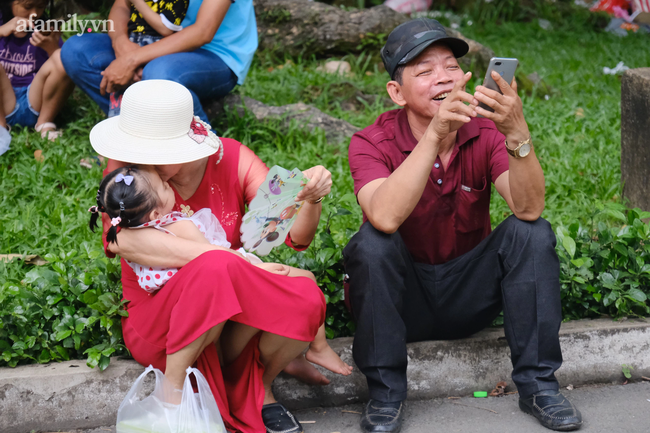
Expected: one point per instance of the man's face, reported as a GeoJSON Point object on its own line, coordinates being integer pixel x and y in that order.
{"type": "Point", "coordinates": [428, 78]}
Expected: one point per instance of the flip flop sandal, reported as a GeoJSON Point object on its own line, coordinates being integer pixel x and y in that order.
{"type": "Point", "coordinates": [51, 134]}
{"type": "Point", "coordinates": [278, 419]}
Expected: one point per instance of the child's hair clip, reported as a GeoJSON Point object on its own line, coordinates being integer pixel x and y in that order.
{"type": "Point", "coordinates": [127, 179]}
{"type": "Point", "coordinates": [93, 209]}
{"type": "Point", "coordinates": [115, 221]}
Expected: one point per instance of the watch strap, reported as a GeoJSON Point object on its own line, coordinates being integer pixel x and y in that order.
{"type": "Point", "coordinates": [515, 152]}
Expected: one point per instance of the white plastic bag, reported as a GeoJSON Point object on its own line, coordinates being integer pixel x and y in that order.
{"type": "Point", "coordinates": [197, 412]}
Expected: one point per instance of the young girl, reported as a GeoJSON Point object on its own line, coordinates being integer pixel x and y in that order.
{"type": "Point", "coordinates": [33, 83]}
{"type": "Point", "coordinates": [138, 198]}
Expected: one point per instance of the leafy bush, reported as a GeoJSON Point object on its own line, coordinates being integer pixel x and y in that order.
{"type": "Point", "coordinates": [324, 258]}
{"type": "Point", "coordinates": [65, 310]}
{"type": "Point", "coordinates": [605, 269]}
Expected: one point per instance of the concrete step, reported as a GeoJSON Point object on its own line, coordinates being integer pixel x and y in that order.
{"type": "Point", "coordinates": [70, 395]}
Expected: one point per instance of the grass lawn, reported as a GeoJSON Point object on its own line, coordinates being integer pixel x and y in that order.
{"type": "Point", "coordinates": [43, 205]}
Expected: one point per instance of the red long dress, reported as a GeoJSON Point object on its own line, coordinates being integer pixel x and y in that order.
{"type": "Point", "coordinates": [215, 287]}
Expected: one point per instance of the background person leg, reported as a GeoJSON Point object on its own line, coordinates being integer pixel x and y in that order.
{"type": "Point", "coordinates": [84, 58]}
{"type": "Point", "coordinates": [201, 71]}
{"type": "Point", "coordinates": [49, 90]}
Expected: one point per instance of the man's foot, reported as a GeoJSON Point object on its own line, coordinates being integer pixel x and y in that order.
{"type": "Point", "coordinates": [277, 419]}
{"type": "Point", "coordinates": [553, 410]}
{"type": "Point", "coordinates": [326, 357]}
{"type": "Point", "coordinates": [305, 372]}
{"type": "Point", "coordinates": [379, 416]}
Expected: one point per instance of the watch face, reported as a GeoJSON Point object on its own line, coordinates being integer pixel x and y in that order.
{"type": "Point", "coordinates": [524, 150]}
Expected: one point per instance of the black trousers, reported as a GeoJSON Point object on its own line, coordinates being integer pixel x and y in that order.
{"type": "Point", "coordinates": [395, 301]}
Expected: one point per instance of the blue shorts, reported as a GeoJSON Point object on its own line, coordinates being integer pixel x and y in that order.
{"type": "Point", "coordinates": [23, 113]}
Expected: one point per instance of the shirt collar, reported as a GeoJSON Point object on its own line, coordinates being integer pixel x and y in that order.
{"type": "Point", "coordinates": [406, 142]}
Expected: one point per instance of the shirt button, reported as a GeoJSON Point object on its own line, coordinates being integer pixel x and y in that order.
{"type": "Point", "coordinates": [436, 165]}
{"type": "Point", "coordinates": [439, 181]}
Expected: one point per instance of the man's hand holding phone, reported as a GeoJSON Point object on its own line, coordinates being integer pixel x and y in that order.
{"type": "Point", "coordinates": [508, 115]}
{"type": "Point", "coordinates": [453, 113]}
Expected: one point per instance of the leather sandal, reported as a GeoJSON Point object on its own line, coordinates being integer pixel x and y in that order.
{"type": "Point", "coordinates": [277, 419]}
{"type": "Point", "coordinates": [51, 134]}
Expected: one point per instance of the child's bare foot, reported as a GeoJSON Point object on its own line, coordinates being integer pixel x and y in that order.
{"type": "Point", "coordinates": [324, 356]}
{"type": "Point", "coordinates": [305, 372]}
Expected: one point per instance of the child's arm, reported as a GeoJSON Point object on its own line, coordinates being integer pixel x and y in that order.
{"type": "Point", "coordinates": [9, 28]}
{"type": "Point", "coordinates": [187, 230]}
{"type": "Point", "coordinates": [152, 18]}
{"type": "Point", "coordinates": [50, 43]}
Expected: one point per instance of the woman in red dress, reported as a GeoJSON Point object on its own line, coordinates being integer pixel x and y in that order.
{"type": "Point", "coordinates": [239, 324]}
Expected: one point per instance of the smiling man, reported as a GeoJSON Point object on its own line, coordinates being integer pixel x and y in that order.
{"type": "Point", "coordinates": [425, 264]}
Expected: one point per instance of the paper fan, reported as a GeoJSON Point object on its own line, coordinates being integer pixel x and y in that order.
{"type": "Point", "coordinates": [273, 210]}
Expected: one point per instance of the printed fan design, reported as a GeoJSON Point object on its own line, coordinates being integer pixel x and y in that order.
{"type": "Point", "coordinates": [273, 210]}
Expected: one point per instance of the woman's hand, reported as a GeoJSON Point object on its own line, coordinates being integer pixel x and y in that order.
{"type": "Point", "coordinates": [48, 42]}
{"type": "Point", "coordinates": [274, 268]}
{"type": "Point", "coordinates": [319, 185]}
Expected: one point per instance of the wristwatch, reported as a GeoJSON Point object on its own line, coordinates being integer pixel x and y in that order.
{"type": "Point", "coordinates": [522, 150]}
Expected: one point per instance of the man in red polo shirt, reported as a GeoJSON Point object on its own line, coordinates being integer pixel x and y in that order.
{"type": "Point", "coordinates": [425, 264]}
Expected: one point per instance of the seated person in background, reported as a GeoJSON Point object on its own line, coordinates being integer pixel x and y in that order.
{"type": "Point", "coordinates": [425, 264]}
{"type": "Point", "coordinates": [32, 88]}
{"type": "Point", "coordinates": [150, 21]}
{"type": "Point", "coordinates": [209, 56]}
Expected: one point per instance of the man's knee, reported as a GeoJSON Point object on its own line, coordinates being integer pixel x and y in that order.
{"type": "Point", "coordinates": [91, 51]}
{"type": "Point", "coordinates": [370, 245]}
{"type": "Point", "coordinates": [160, 69]}
{"type": "Point", "coordinates": [539, 233]}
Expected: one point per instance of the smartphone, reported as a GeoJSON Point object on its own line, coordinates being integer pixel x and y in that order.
{"type": "Point", "coordinates": [506, 68]}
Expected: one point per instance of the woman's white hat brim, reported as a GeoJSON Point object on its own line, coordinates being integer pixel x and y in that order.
{"type": "Point", "coordinates": [109, 140]}
{"type": "Point", "coordinates": [156, 126]}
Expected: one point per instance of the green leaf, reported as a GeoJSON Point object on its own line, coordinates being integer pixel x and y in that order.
{"type": "Point", "coordinates": [569, 245]}
{"type": "Point", "coordinates": [104, 361]}
{"type": "Point", "coordinates": [63, 352]}
{"type": "Point", "coordinates": [44, 356]}
{"type": "Point", "coordinates": [637, 294]}
{"type": "Point", "coordinates": [63, 334]}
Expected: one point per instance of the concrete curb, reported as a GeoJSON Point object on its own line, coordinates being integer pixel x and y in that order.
{"type": "Point", "coordinates": [70, 395]}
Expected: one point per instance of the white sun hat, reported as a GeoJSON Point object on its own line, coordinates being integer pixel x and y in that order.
{"type": "Point", "coordinates": [156, 126]}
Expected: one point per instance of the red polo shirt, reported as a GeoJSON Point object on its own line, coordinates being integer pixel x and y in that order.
{"type": "Point", "coordinates": [453, 215]}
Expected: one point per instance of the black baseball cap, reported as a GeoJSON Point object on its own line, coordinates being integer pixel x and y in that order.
{"type": "Point", "coordinates": [409, 39]}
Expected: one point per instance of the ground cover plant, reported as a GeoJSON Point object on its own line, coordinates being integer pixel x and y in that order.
{"type": "Point", "coordinates": [70, 308]}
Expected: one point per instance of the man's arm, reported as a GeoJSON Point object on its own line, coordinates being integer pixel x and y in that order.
{"type": "Point", "coordinates": [120, 15]}
{"type": "Point", "coordinates": [387, 202]}
{"type": "Point", "coordinates": [209, 17]}
{"type": "Point", "coordinates": [523, 185]}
